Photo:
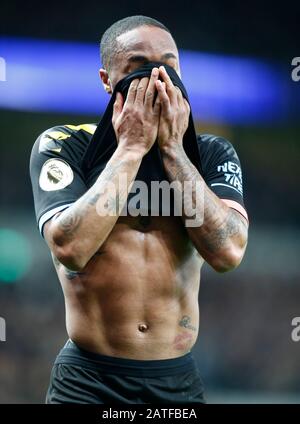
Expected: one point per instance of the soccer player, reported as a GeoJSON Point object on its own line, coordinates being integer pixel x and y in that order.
{"type": "Point", "coordinates": [131, 283]}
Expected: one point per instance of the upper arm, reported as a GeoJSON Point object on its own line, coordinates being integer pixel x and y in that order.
{"type": "Point", "coordinates": [47, 227]}
{"type": "Point", "coordinates": [222, 171]}
{"type": "Point", "coordinates": [56, 178]}
{"type": "Point", "coordinates": [239, 208]}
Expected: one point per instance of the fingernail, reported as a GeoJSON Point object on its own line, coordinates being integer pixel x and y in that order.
{"type": "Point", "coordinates": [154, 72]}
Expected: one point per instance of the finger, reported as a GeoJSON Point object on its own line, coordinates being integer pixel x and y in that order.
{"type": "Point", "coordinates": [157, 106]}
{"type": "Point", "coordinates": [165, 88]}
{"type": "Point", "coordinates": [132, 91]}
{"type": "Point", "coordinates": [163, 96]}
{"type": "Point", "coordinates": [181, 101]}
{"type": "Point", "coordinates": [118, 106]}
{"type": "Point", "coordinates": [179, 94]}
{"type": "Point", "coordinates": [186, 103]}
{"type": "Point", "coordinates": [151, 89]}
{"type": "Point", "coordinates": [141, 90]}
{"type": "Point", "coordinates": [170, 88]}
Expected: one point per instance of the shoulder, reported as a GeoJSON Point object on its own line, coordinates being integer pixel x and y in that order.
{"type": "Point", "coordinates": [54, 139]}
{"type": "Point", "coordinates": [211, 142]}
{"type": "Point", "coordinates": [214, 147]}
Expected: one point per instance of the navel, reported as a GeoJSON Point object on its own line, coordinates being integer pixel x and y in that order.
{"type": "Point", "coordinates": [143, 328]}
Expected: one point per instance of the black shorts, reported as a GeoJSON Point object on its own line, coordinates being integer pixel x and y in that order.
{"type": "Point", "coordinates": [79, 376]}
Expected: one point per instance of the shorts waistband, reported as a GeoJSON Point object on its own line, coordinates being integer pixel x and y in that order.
{"type": "Point", "coordinates": [72, 354]}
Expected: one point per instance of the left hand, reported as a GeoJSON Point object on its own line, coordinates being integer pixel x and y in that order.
{"type": "Point", "coordinates": [175, 111]}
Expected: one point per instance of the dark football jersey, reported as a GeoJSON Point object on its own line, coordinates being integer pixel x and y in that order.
{"type": "Point", "coordinates": [58, 179]}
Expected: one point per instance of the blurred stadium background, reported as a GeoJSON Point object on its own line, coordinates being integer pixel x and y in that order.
{"type": "Point", "coordinates": [237, 68]}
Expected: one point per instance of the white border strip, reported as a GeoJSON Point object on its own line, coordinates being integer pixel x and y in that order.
{"type": "Point", "coordinates": [48, 215]}
{"type": "Point", "coordinates": [226, 185]}
{"type": "Point", "coordinates": [236, 206]}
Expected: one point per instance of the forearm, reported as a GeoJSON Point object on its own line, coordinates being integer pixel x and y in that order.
{"type": "Point", "coordinates": [79, 231]}
{"type": "Point", "coordinates": [221, 235]}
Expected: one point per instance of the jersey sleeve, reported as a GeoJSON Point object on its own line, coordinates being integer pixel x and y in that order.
{"type": "Point", "coordinates": [56, 178]}
{"type": "Point", "coordinates": [222, 171]}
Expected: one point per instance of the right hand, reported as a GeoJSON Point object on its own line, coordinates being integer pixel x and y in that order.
{"type": "Point", "coordinates": [136, 121]}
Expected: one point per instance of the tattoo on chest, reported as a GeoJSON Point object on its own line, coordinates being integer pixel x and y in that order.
{"type": "Point", "coordinates": [186, 323]}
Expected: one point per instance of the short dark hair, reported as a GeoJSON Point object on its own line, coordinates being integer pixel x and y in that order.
{"type": "Point", "coordinates": [108, 43]}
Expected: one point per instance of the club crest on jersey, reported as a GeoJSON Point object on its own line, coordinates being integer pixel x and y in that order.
{"type": "Point", "coordinates": [233, 175]}
{"type": "Point", "coordinates": [55, 175]}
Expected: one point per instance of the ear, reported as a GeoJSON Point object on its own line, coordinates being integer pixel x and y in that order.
{"type": "Point", "coordinates": [105, 80]}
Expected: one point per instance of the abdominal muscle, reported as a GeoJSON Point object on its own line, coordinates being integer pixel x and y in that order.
{"type": "Point", "coordinates": [138, 296]}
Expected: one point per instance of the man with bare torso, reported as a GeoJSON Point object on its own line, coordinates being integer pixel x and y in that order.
{"type": "Point", "coordinates": [131, 282]}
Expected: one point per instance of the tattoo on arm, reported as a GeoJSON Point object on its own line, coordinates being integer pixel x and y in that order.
{"type": "Point", "coordinates": [181, 169]}
{"type": "Point", "coordinates": [234, 225]}
{"type": "Point", "coordinates": [93, 199]}
{"type": "Point", "coordinates": [217, 228]}
{"type": "Point", "coordinates": [70, 220]}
